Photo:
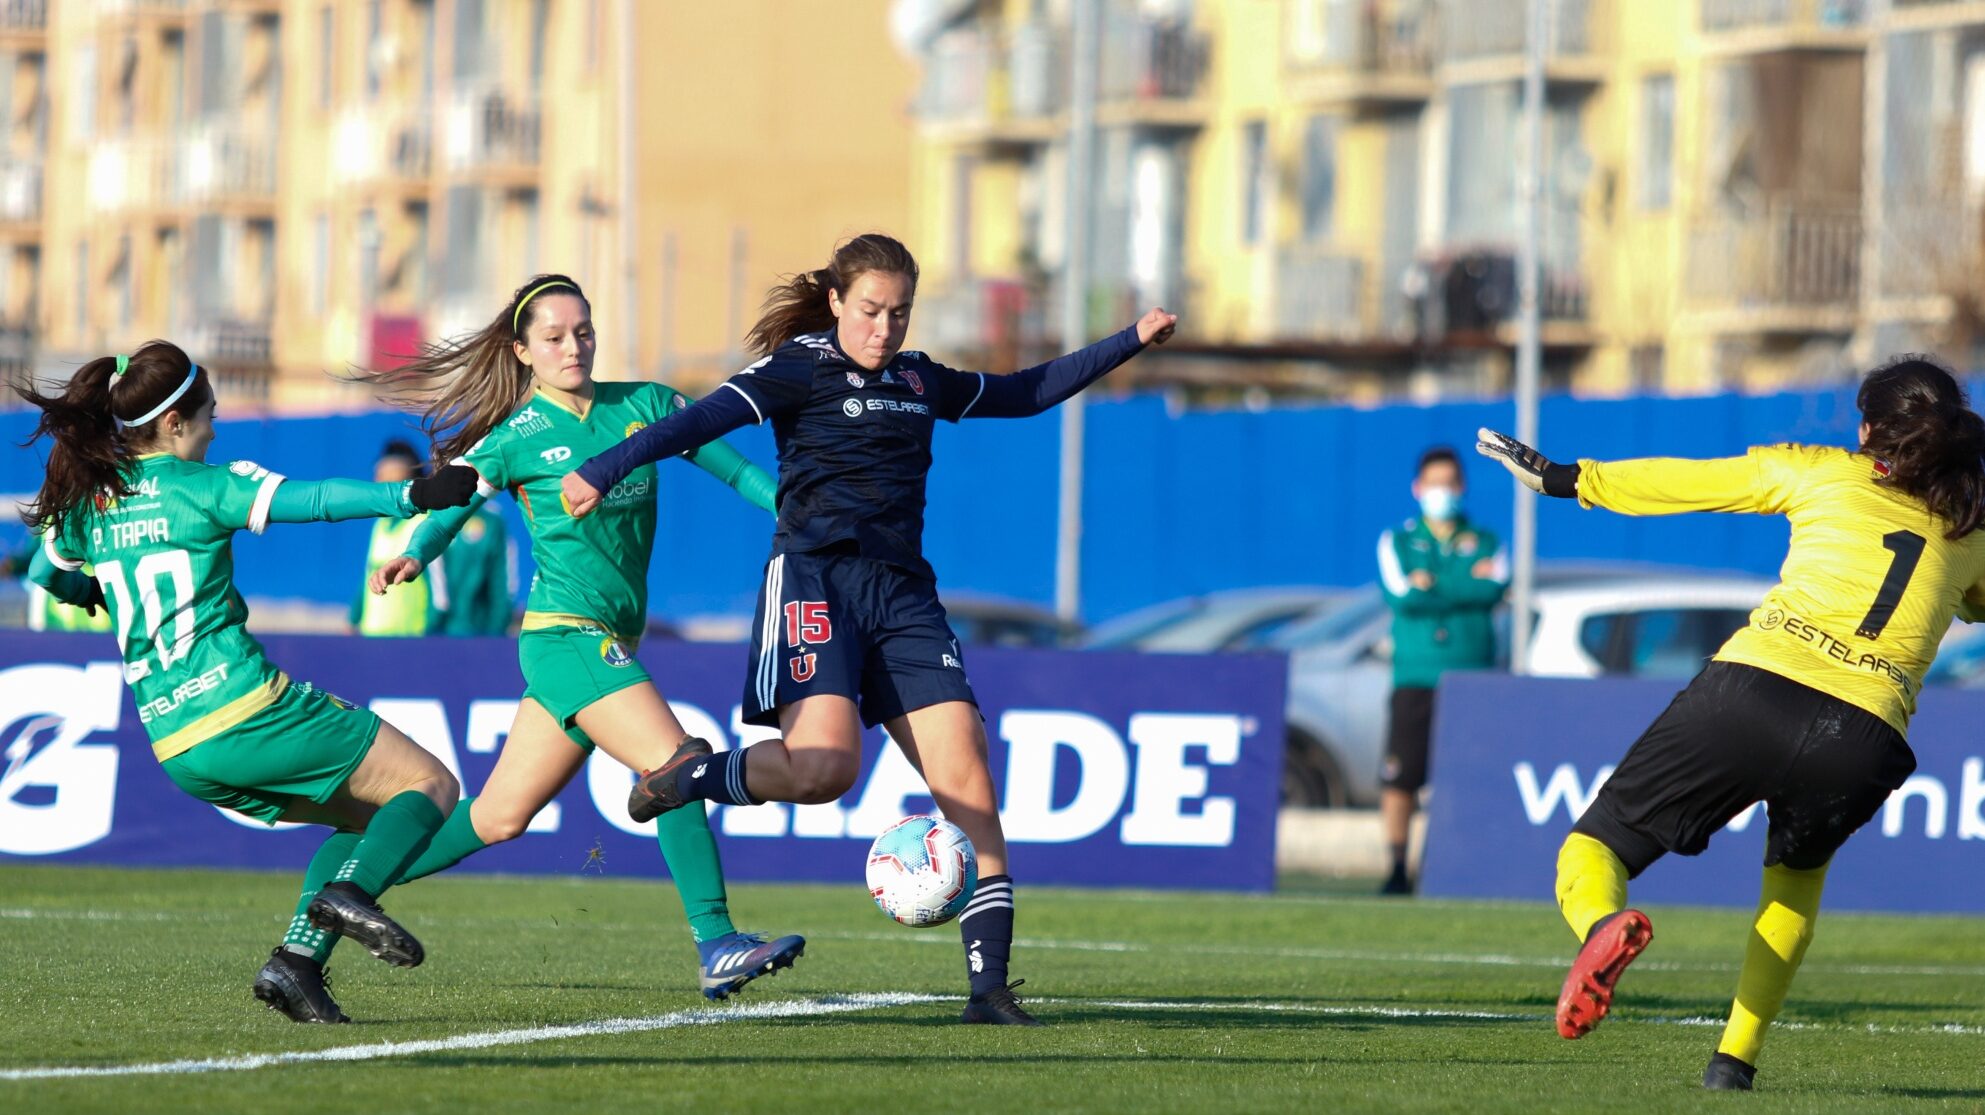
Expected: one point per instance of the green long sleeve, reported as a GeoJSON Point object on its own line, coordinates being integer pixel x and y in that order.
{"type": "Point", "coordinates": [434, 534]}
{"type": "Point", "coordinates": [721, 460]}
{"type": "Point", "coordinates": [70, 587]}
{"type": "Point", "coordinates": [334, 500]}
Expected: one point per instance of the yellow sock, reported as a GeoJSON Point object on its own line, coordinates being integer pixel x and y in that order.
{"type": "Point", "coordinates": [1592, 882]}
{"type": "Point", "coordinates": [1788, 905]}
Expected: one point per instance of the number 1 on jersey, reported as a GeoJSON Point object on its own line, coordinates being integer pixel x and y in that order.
{"type": "Point", "coordinates": [1907, 546]}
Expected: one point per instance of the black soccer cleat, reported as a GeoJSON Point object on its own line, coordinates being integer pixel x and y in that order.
{"type": "Point", "coordinates": [655, 791]}
{"type": "Point", "coordinates": [296, 986]}
{"type": "Point", "coordinates": [346, 910]}
{"type": "Point", "coordinates": [1727, 1074]}
{"type": "Point", "coordinates": [998, 1007]}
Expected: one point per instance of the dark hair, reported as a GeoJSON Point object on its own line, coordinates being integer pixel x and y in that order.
{"type": "Point", "coordinates": [1920, 424]}
{"type": "Point", "coordinates": [464, 386]}
{"type": "Point", "coordinates": [92, 450]}
{"type": "Point", "coordinates": [799, 305]}
{"type": "Point", "coordinates": [1437, 455]}
{"type": "Point", "coordinates": [399, 449]}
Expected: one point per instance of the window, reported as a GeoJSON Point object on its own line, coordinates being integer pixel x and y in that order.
{"type": "Point", "coordinates": [320, 264]}
{"type": "Point", "coordinates": [375, 69]}
{"type": "Point", "coordinates": [83, 292]}
{"type": "Point", "coordinates": [1657, 141]}
{"type": "Point", "coordinates": [82, 121]}
{"type": "Point", "coordinates": [368, 258]}
{"type": "Point", "coordinates": [123, 287]}
{"type": "Point", "coordinates": [1644, 368]}
{"type": "Point", "coordinates": [1254, 180]}
{"type": "Point", "coordinates": [468, 40]}
{"type": "Point", "coordinates": [540, 27]}
{"type": "Point", "coordinates": [1658, 643]}
{"type": "Point", "coordinates": [1319, 177]}
{"type": "Point", "coordinates": [415, 266]}
{"type": "Point", "coordinates": [327, 71]}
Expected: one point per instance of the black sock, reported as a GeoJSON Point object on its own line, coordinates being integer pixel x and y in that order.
{"type": "Point", "coordinates": [1399, 859]}
{"type": "Point", "coordinates": [986, 927]}
{"type": "Point", "coordinates": [718, 777]}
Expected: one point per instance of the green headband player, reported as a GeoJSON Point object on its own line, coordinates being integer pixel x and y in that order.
{"type": "Point", "coordinates": [156, 523]}
{"type": "Point", "coordinates": [538, 411]}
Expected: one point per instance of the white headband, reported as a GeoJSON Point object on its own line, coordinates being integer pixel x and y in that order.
{"type": "Point", "coordinates": [192, 373]}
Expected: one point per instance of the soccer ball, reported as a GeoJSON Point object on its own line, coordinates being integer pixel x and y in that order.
{"type": "Point", "coordinates": [922, 871]}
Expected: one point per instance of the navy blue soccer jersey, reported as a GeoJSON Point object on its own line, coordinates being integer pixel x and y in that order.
{"type": "Point", "coordinates": [854, 444]}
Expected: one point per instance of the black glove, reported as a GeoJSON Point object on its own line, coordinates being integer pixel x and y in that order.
{"type": "Point", "coordinates": [94, 600]}
{"type": "Point", "coordinates": [450, 486]}
{"type": "Point", "coordinates": [1533, 469]}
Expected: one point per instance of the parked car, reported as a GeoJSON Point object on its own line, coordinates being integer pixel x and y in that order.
{"type": "Point", "coordinates": [983, 620]}
{"type": "Point", "coordinates": [1590, 620]}
{"type": "Point", "coordinates": [1232, 619]}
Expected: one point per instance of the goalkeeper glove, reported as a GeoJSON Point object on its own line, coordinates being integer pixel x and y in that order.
{"type": "Point", "coordinates": [450, 486]}
{"type": "Point", "coordinates": [1533, 469]}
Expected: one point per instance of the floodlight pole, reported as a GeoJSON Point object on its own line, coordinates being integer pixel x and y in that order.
{"type": "Point", "coordinates": [1082, 62]}
{"type": "Point", "coordinates": [1529, 353]}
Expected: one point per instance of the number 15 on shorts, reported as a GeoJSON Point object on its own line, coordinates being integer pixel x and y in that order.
{"type": "Point", "coordinates": [807, 623]}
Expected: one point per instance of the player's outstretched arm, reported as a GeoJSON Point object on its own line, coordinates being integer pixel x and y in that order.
{"type": "Point", "coordinates": [703, 421]}
{"type": "Point", "coordinates": [1033, 390]}
{"type": "Point", "coordinates": [722, 460]}
{"type": "Point", "coordinates": [335, 500]}
{"type": "Point", "coordinates": [430, 540]}
{"type": "Point", "coordinates": [1761, 481]}
{"type": "Point", "coordinates": [70, 586]}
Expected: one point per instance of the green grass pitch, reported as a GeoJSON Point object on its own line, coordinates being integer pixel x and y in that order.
{"type": "Point", "coordinates": [1295, 1002]}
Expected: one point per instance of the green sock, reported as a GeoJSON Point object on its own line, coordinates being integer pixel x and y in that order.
{"type": "Point", "coordinates": [304, 938]}
{"type": "Point", "coordinates": [690, 851]}
{"type": "Point", "coordinates": [455, 842]}
{"type": "Point", "coordinates": [397, 834]}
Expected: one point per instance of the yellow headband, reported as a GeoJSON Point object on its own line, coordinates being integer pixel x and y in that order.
{"type": "Point", "coordinates": [517, 315]}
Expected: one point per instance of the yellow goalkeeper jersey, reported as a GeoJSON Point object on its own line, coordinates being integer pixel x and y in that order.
{"type": "Point", "coordinates": [1869, 584]}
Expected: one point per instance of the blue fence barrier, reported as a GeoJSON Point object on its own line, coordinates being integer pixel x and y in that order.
{"type": "Point", "coordinates": [1115, 770]}
{"type": "Point", "coordinates": [1516, 760]}
{"type": "Point", "coordinates": [1174, 504]}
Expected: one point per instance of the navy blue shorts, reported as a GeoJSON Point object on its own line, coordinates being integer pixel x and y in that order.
{"type": "Point", "coordinates": [839, 623]}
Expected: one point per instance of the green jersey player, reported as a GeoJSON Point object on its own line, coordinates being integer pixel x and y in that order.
{"type": "Point", "coordinates": [523, 408]}
{"type": "Point", "coordinates": [129, 493]}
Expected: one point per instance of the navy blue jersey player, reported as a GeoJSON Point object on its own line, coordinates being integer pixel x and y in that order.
{"type": "Point", "coordinates": [849, 630]}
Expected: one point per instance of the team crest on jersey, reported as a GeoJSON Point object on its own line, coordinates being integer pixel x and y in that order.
{"type": "Point", "coordinates": [634, 428]}
{"type": "Point", "coordinates": [856, 381]}
{"type": "Point", "coordinates": [851, 407]}
{"type": "Point", "coordinates": [1882, 469]}
{"type": "Point", "coordinates": [911, 378]}
{"type": "Point", "coordinates": [249, 469]}
{"type": "Point", "coordinates": [613, 654]}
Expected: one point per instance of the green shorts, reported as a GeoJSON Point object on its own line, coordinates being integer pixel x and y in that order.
{"type": "Point", "coordinates": [568, 668]}
{"type": "Point", "coordinates": [303, 746]}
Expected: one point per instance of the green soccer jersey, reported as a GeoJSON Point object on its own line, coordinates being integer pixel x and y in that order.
{"type": "Point", "coordinates": [165, 557]}
{"type": "Point", "coordinates": [591, 571]}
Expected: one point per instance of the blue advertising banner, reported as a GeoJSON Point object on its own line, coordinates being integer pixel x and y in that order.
{"type": "Point", "coordinates": [1114, 769]}
{"type": "Point", "coordinates": [1518, 759]}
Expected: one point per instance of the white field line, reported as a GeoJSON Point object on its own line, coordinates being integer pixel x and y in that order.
{"type": "Point", "coordinates": [1383, 956]}
{"type": "Point", "coordinates": [786, 1008]}
{"type": "Point", "coordinates": [844, 1004]}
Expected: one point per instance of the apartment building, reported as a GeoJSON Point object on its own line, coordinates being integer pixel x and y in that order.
{"type": "Point", "coordinates": [1739, 194]}
{"type": "Point", "coordinates": [292, 187]}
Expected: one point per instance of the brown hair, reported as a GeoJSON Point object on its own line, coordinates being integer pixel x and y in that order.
{"type": "Point", "coordinates": [1920, 424]}
{"type": "Point", "coordinates": [799, 305]}
{"type": "Point", "coordinates": [92, 449]}
{"type": "Point", "coordinates": [464, 387]}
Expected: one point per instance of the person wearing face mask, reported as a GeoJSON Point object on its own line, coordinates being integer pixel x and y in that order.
{"type": "Point", "coordinates": [1443, 576]}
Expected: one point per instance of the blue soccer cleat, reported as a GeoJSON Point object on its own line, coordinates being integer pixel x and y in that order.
{"type": "Point", "coordinates": [733, 960]}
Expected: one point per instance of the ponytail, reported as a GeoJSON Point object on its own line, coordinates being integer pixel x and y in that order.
{"type": "Point", "coordinates": [800, 304]}
{"type": "Point", "coordinates": [92, 450]}
{"type": "Point", "coordinates": [464, 387]}
{"type": "Point", "coordinates": [1921, 425]}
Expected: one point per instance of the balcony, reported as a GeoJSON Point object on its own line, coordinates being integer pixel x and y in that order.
{"type": "Point", "coordinates": [1763, 26]}
{"type": "Point", "coordinates": [1150, 73]}
{"type": "Point", "coordinates": [23, 23]}
{"type": "Point", "coordinates": [130, 176]}
{"type": "Point", "coordinates": [1795, 268]}
{"type": "Point", "coordinates": [1324, 295]}
{"type": "Point", "coordinates": [989, 319]}
{"type": "Point", "coordinates": [980, 88]}
{"type": "Point", "coordinates": [17, 347]}
{"type": "Point", "coordinates": [488, 132]}
{"type": "Point", "coordinates": [20, 193]}
{"type": "Point", "coordinates": [226, 167]}
{"type": "Point", "coordinates": [1485, 39]}
{"type": "Point", "coordinates": [1359, 53]}
{"type": "Point", "coordinates": [385, 146]}
{"type": "Point", "coordinates": [160, 12]}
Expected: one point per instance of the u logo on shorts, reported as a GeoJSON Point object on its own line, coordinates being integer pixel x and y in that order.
{"type": "Point", "coordinates": [803, 665]}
